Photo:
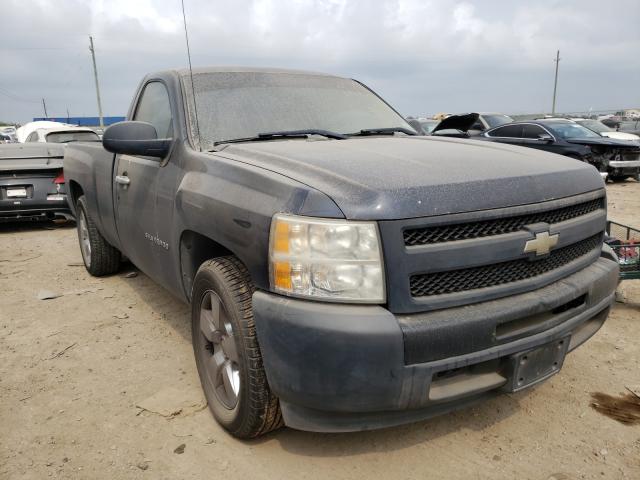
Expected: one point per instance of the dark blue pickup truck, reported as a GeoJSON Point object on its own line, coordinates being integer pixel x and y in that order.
{"type": "Point", "coordinates": [343, 272]}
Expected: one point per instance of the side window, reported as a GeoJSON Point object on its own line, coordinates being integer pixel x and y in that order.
{"type": "Point", "coordinates": [33, 137]}
{"type": "Point", "coordinates": [512, 131]}
{"type": "Point", "coordinates": [532, 131]}
{"type": "Point", "coordinates": [154, 108]}
{"type": "Point", "coordinates": [477, 126]}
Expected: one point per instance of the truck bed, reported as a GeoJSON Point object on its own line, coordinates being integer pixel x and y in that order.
{"type": "Point", "coordinates": [90, 165]}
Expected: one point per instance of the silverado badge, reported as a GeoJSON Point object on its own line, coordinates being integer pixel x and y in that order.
{"type": "Point", "coordinates": [542, 244]}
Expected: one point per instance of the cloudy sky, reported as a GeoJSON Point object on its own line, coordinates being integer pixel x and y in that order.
{"type": "Point", "coordinates": [423, 56]}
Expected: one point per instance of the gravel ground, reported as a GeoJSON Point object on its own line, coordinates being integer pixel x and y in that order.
{"type": "Point", "coordinates": [74, 369]}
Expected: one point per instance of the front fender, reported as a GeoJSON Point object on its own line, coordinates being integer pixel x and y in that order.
{"type": "Point", "coordinates": [232, 204]}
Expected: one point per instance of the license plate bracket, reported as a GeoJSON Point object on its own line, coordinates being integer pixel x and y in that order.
{"type": "Point", "coordinates": [537, 364]}
{"type": "Point", "coordinates": [19, 192]}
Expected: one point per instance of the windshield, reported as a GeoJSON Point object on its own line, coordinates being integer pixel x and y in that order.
{"type": "Point", "coordinates": [595, 125]}
{"type": "Point", "coordinates": [234, 105]}
{"type": "Point", "coordinates": [64, 137]}
{"type": "Point", "coordinates": [428, 125]}
{"type": "Point", "coordinates": [495, 120]}
{"type": "Point", "coordinates": [630, 126]}
{"type": "Point", "coordinates": [571, 130]}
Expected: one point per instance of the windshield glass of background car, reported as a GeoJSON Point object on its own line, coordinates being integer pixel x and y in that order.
{"type": "Point", "coordinates": [572, 130]}
{"type": "Point", "coordinates": [495, 120]}
{"type": "Point", "coordinates": [244, 104]}
{"type": "Point", "coordinates": [595, 126]}
{"type": "Point", "coordinates": [64, 137]}
{"type": "Point", "coordinates": [508, 131]}
{"type": "Point", "coordinates": [428, 127]}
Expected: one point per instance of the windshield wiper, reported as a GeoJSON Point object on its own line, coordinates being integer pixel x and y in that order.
{"type": "Point", "coordinates": [383, 131]}
{"type": "Point", "coordinates": [285, 134]}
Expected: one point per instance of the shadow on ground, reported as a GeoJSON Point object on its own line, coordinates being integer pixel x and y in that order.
{"type": "Point", "coordinates": [32, 226]}
{"type": "Point", "coordinates": [177, 315]}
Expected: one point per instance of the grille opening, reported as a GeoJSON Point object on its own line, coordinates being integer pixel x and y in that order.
{"type": "Point", "coordinates": [575, 303]}
{"type": "Point", "coordinates": [497, 226]}
{"type": "Point", "coordinates": [522, 326]}
{"type": "Point", "coordinates": [588, 329]}
{"type": "Point", "coordinates": [453, 281]}
{"type": "Point", "coordinates": [460, 382]}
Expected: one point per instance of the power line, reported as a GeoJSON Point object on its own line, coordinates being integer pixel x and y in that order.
{"type": "Point", "coordinates": [17, 98]}
{"type": "Point", "coordinates": [37, 48]}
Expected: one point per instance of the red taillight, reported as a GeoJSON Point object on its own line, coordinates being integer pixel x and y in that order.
{"type": "Point", "coordinates": [60, 178]}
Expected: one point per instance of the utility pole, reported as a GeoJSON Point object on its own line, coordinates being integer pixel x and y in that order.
{"type": "Point", "coordinates": [95, 75]}
{"type": "Point", "coordinates": [44, 106]}
{"type": "Point", "coordinates": [555, 83]}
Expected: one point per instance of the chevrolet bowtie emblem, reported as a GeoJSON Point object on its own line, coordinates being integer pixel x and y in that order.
{"type": "Point", "coordinates": [542, 244]}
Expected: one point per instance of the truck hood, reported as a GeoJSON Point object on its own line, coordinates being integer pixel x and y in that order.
{"type": "Point", "coordinates": [31, 156]}
{"type": "Point", "coordinates": [384, 178]}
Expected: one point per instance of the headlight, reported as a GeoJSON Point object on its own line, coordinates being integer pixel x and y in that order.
{"type": "Point", "coordinates": [326, 259]}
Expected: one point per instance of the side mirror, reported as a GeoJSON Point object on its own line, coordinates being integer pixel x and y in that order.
{"type": "Point", "coordinates": [545, 137]}
{"type": "Point", "coordinates": [135, 138]}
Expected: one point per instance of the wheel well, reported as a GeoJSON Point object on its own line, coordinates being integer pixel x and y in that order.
{"type": "Point", "coordinates": [195, 249]}
{"type": "Point", "coordinates": [75, 191]}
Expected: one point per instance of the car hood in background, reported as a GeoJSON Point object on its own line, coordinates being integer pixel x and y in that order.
{"type": "Point", "coordinates": [383, 178]}
{"type": "Point", "coordinates": [620, 136]}
{"type": "Point", "coordinates": [606, 142]}
{"type": "Point", "coordinates": [30, 156]}
{"type": "Point", "coordinates": [457, 122]}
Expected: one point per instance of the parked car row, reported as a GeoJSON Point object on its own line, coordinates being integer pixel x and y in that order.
{"type": "Point", "coordinates": [8, 134]}
{"type": "Point", "coordinates": [615, 154]}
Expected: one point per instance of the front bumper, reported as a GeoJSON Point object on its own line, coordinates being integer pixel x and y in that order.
{"type": "Point", "coordinates": [630, 168]}
{"type": "Point", "coordinates": [348, 367]}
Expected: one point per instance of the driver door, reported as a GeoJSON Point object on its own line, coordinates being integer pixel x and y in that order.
{"type": "Point", "coordinates": [511, 134]}
{"type": "Point", "coordinates": [532, 133]}
{"type": "Point", "coordinates": [142, 232]}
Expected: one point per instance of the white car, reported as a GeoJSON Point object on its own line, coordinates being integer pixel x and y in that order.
{"type": "Point", "coordinates": [599, 127]}
{"type": "Point", "coordinates": [63, 135]}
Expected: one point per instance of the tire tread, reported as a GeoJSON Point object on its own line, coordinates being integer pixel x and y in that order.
{"type": "Point", "coordinates": [105, 258]}
{"type": "Point", "coordinates": [263, 414]}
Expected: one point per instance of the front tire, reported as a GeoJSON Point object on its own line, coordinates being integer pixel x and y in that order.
{"type": "Point", "coordinates": [226, 349]}
{"type": "Point", "coordinates": [100, 258]}
{"type": "Point", "coordinates": [618, 178]}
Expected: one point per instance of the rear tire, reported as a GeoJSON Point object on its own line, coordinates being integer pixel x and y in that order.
{"type": "Point", "coordinates": [100, 258]}
{"type": "Point", "coordinates": [226, 349]}
{"type": "Point", "coordinates": [618, 178]}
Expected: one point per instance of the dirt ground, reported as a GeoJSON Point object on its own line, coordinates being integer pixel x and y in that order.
{"type": "Point", "coordinates": [74, 368]}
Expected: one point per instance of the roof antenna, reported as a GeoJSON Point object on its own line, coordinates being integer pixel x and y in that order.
{"type": "Point", "coordinates": [193, 90]}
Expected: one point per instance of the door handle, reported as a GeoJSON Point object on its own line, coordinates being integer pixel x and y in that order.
{"type": "Point", "coordinates": [123, 180]}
